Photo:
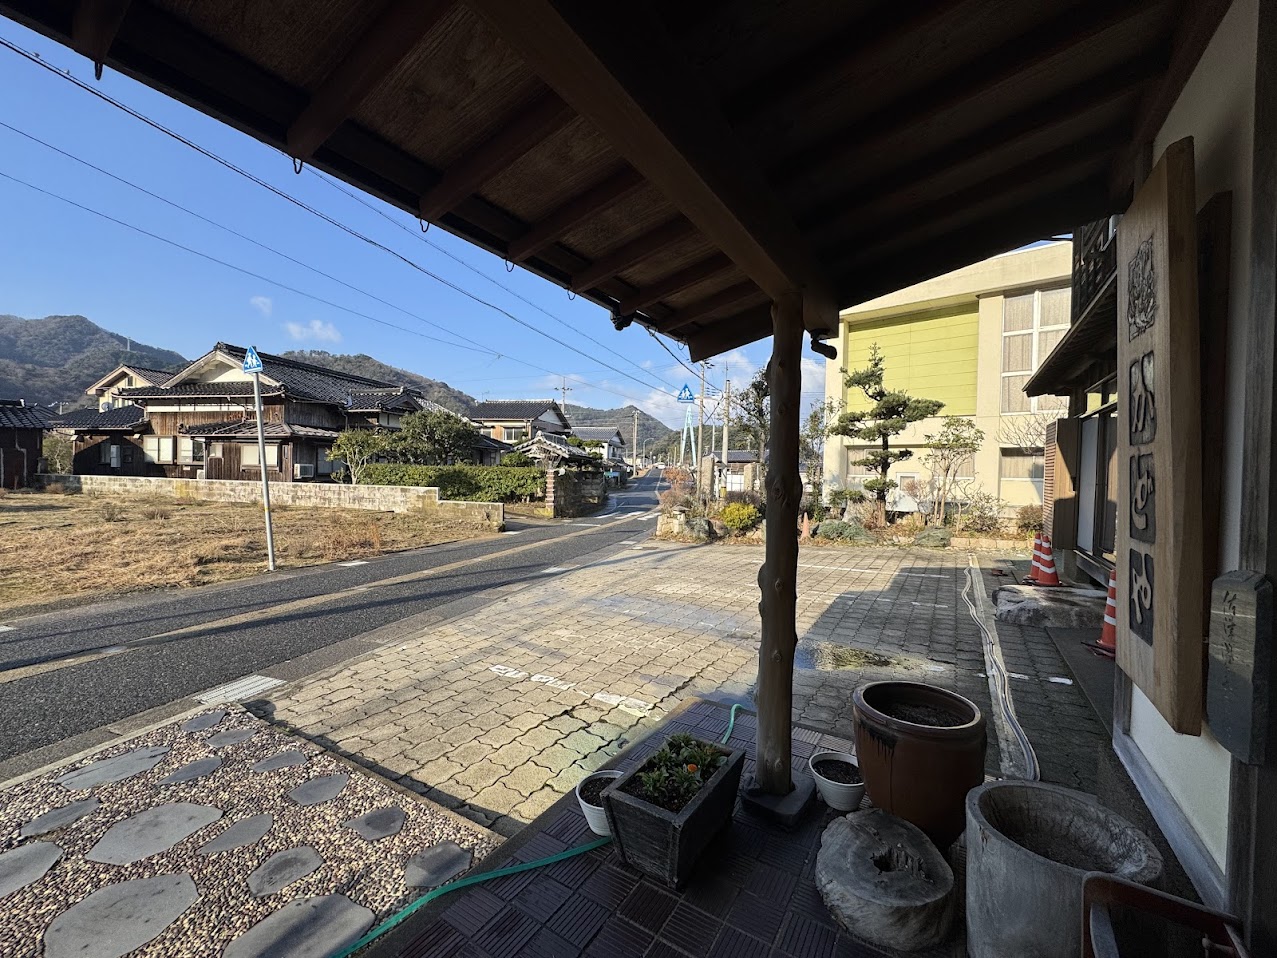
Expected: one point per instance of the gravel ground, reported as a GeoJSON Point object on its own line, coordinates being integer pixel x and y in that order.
{"type": "Point", "coordinates": [369, 873]}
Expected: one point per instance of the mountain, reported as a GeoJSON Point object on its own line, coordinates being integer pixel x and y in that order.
{"type": "Point", "coordinates": [362, 365]}
{"type": "Point", "coordinates": [649, 427]}
{"type": "Point", "coordinates": [55, 358]}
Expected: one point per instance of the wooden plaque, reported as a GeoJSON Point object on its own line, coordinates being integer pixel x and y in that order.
{"type": "Point", "coordinates": [1237, 692]}
{"type": "Point", "coordinates": [1159, 507]}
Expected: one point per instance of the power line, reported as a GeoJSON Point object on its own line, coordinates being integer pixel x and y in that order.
{"type": "Point", "coordinates": [156, 125]}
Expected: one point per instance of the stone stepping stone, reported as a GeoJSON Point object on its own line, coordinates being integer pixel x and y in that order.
{"type": "Point", "coordinates": [379, 823]}
{"type": "Point", "coordinates": [201, 722]}
{"type": "Point", "coordinates": [283, 760]}
{"type": "Point", "coordinates": [59, 818]}
{"type": "Point", "coordinates": [116, 769]}
{"type": "Point", "coordinates": [436, 865]}
{"type": "Point", "coordinates": [883, 879]}
{"type": "Point", "coordinates": [26, 864]}
{"type": "Point", "coordinates": [196, 769]}
{"type": "Point", "coordinates": [282, 869]}
{"type": "Point", "coordinates": [247, 831]}
{"type": "Point", "coordinates": [318, 790]}
{"type": "Point", "coordinates": [304, 928]}
{"type": "Point", "coordinates": [230, 737]}
{"type": "Point", "coordinates": [119, 918]}
{"type": "Point", "coordinates": [151, 831]}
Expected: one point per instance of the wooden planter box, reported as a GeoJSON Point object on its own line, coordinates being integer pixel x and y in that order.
{"type": "Point", "coordinates": [661, 844]}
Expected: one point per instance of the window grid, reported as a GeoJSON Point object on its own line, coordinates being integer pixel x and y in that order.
{"type": "Point", "coordinates": [1043, 317]}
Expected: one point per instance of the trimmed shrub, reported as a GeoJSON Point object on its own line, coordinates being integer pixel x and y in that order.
{"type": "Point", "coordinates": [838, 531]}
{"type": "Point", "coordinates": [749, 498]}
{"type": "Point", "coordinates": [984, 513]}
{"type": "Point", "coordinates": [465, 483]}
{"type": "Point", "coordinates": [517, 460]}
{"type": "Point", "coordinates": [1029, 519]}
{"type": "Point", "coordinates": [838, 498]}
{"type": "Point", "coordinates": [740, 517]}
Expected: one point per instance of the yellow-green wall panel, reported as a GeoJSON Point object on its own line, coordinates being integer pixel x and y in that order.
{"type": "Point", "coordinates": [928, 355]}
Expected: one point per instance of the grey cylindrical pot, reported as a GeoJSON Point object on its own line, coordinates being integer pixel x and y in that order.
{"type": "Point", "coordinates": [1029, 845]}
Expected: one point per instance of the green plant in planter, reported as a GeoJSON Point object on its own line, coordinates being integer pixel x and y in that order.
{"type": "Point", "coordinates": [672, 777]}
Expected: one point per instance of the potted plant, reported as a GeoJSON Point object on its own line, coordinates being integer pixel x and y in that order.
{"type": "Point", "coordinates": [838, 780]}
{"type": "Point", "coordinates": [665, 811]}
{"type": "Point", "coordinates": [589, 793]}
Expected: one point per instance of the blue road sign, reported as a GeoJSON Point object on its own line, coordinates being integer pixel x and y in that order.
{"type": "Point", "coordinates": [684, 394]}
{"type": "Point", "coordinates": [252, 362]}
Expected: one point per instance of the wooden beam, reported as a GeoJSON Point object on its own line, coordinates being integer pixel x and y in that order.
{"type": "Point", "coordinates": [94, 26]}
{"type": "Point", "coordinates": [728, 332]}
{"type": "Point", "coordinates": [1010, 135]}
{"type": "Point", "coordinates": [778, 578]}
{"type": "Point", "coordinates": [378, 50]}
{"type": "Point", "coordinates": [905, 209]}
{"type": "Point", "coordinates": [1057, 38]}
{"type": "Point", "coordinates": [574, 212]}
{"type": "Point", "coordinates": [544, 116]}
{"type": "Point", "coordinates": [1194, 29]}
{"type": "Point", "coordinates": [740, 293]}
{"type": "Point", "coordinates": [625, 76]}
{"type": "Point", "coordinates": [635, 251]}
{"type": "Point", "coordinates": [675, 283]}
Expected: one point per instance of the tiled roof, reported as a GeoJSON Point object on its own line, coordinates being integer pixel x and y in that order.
{"type": "Point", "coordinates": [154, 376]}
{"type": "Point", "coordinates": [197, 391]}
{"type": "Point", "coordinates": [518, 409]}
{"type": "Point", "coordinates": [15, 414]}
{"type": "Point", "coordinates": [598, 433]}
{"type": "Point", "coordinates": [377, 400]}
{"type": "Point", "coordinates": [547, 445]}
{"type": "Point", "coordinates": [307, 381]}
{"type": "Point", "coordinates": [247, 429]}
{"type": "Point", "coordinates": [90, 420]}
{"type": "Point", "coordinates": [487, 442]}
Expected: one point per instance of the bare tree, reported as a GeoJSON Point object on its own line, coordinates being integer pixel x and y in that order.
{"type": "Point", "coordinates": [1028, 431]}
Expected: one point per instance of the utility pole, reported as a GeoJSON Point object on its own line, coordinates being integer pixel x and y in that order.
{"type": "Point", "coordinates": [700, 422]}
{"type": "Point", "coordinates": [634, 448]}
{"type": "Point", "coordinates": [253, 365]}
{"type": "Point", "coordinates": [565, 390]}
{"type": "Point", "coordinates": [727, 415]}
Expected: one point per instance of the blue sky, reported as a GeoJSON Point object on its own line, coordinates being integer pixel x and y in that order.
{"type": "Point", "coordinates": [56, 259]}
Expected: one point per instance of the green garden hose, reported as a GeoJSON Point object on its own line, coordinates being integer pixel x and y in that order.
{"type": "Point", "coordinates": [460, 883]}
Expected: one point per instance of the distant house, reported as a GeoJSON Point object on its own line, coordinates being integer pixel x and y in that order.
{"type": "Point", "coordinates": [107, 389]}
{"type": "Point", "coordinates": [22, 429]}
{"type": "Point", "coordinates": [515, 420]}
{"type": "Point", "coordinates": [613, 442]}
{"type": "Point", "coordinates": [199, 422]}
{"type": "Point", "coordinates": [553, 451]}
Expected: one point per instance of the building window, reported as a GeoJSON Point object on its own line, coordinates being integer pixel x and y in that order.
{"type": "Point", "coordinates": [1032, 325]}
{"type": "Point", "coordinates": [323, 462]}
{"type": "Point", "coordinates": [248, 456]}
{"type": "Point", "coordinates": [157, 448]}
{"type": "Point", "coordinates": [516, 434]}
{"type": "Point", "coordinates": [190, 450]}
{"type": "Point", "coordinates": [1022, 464]}
{"type": "Point", "coordinates": [105, 449]}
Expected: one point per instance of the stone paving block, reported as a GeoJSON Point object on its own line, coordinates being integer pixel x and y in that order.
{"type": "Point", "coordinates": [114, 769]}
{"type": "Point", "coordinates": [26, 864]}
{"type": "Point", "coordinates": [282, 869]}
{"type": "Point", "coordinates": [481, 775]}
{"type": "Point", "coordinates": [59, 818]}
{"type": "Point", "coordinates": [556, 758]}
{"type": "Point", "coordinates": [318, 790]}
{"type": "Point", "coordinates": [304, 928]}
{"type": "Point", "coordinates": [119, 918]}
{"type": "Point", "coordinates": [436, 865]}
{"type": "Point", "coordinates": [230, 737]}
{"type": "Point", "coordinates": [247, 831]}
{"type": "Point", "coordinates": [206, 721]}
{"type": "Point", "coordinates": [151, 831]}
{"type": "Point", "coordinates": [192, 771]}
{"type": "Point", "coordinates": [378, 823]}
{"type": "Point", "coordinates": [285, 759]}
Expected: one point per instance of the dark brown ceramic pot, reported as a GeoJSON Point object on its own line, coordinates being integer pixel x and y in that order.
{"type": "Point", "coordinates": [920, 749]}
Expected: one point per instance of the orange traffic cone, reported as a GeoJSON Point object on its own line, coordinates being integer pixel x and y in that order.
{"type": "Point", "coordinates": [1046, 568]}
{"type": "Point", "coordinates": [1032, 577]}
{"type": "Point", "coordinates": [1107, 646]}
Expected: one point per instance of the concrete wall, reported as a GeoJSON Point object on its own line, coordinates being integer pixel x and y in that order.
{"type": "Point", "coordinates": [323, 495]}
{"type": "Point", "coordinates": [1216, 108]}
{"type": "Point", "coordinates": [576, 492]}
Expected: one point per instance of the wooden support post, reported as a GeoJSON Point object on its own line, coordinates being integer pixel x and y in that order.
{"type": "Point", "coordinates": [777, 580]}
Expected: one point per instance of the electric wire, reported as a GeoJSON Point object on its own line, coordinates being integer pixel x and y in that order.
{"type": "Point", "coordinates": [283, 194]}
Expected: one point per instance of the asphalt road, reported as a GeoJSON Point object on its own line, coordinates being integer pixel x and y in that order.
{"type": "Point", "coordinates": [65, 673]}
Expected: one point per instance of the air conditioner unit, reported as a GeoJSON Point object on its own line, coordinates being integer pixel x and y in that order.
{"type": "Point", "coordinates": [303, 470]}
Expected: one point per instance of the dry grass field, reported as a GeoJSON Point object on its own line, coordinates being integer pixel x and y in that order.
{"type": "Point", "coordinates": [64, 549]}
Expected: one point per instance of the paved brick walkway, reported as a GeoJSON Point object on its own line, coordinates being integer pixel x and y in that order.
{"type": "Point", "coordinates": [499, 713]}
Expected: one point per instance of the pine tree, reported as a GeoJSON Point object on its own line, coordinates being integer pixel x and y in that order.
{"type": "Point", "coordinates": [890, 415]}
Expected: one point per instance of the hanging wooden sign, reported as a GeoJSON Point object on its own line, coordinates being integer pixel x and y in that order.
{"type": "Point", "coordinates": [1159, 521]}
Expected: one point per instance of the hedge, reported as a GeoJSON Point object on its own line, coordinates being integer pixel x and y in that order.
{"type": "Point", "coordinates": [468, 483]}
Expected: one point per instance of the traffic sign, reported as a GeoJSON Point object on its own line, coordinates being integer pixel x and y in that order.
{"type": "Point", "coordinates": [685, 394]}
{"type": "Point", "coordinates": [252, 362]}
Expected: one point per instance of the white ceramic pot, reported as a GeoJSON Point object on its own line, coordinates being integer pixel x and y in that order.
{"type": "Point", "coordinates": [595, 816]}
{"type": "Point", "coordinates": [838, 796]}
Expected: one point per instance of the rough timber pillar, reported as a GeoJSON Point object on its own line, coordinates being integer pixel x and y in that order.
{"type": "Point", "coordinates": [777, 580]}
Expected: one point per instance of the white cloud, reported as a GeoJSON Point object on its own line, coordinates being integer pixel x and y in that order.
{"type": "Point", "coordinates": [262, 304]}
{"type": "Point", "coordinates": [314, 331]}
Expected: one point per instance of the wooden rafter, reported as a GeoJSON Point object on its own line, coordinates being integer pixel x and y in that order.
{"type": "Point", "coordinates": [745, 292]}
{"type": "Point", "coordinates": [624, 75]}
{"type": "Point", "coordinates": [675, 283]}
{"type": "Point", "coordinates": [544, 116]}
{"type": "Point", "coordinates": [94, 26]}
{"type": "Point", "coordinates": [1057, 38]}
{"type": "Point", "coordinates": [379, 49]}
{"type": "Point", "coordinates": [635, 251]}
{"type": "Point", "coordinates": [1193, 32]}
{"type": "Point", "coordinates": [1008, 135]}
{"type": "Point", "coordinates": [574, 212]}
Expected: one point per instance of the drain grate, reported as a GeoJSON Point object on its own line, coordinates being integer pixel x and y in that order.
{"type": "Point", "coordinates": [239, 690]}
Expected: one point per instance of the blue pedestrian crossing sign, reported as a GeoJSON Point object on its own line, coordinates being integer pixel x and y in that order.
{"type": "Point", "coordinates": [253, 362]}
{"type": "Point", "coordinates": [684, 394]}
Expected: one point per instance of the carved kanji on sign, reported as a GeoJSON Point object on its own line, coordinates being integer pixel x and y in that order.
{"type": "Point", "coordinates": [1143, 499]}
{"type": "Point", "coordinates": [1143, 402]}
{"type": "Point", "coordinates": [1141, 603]}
